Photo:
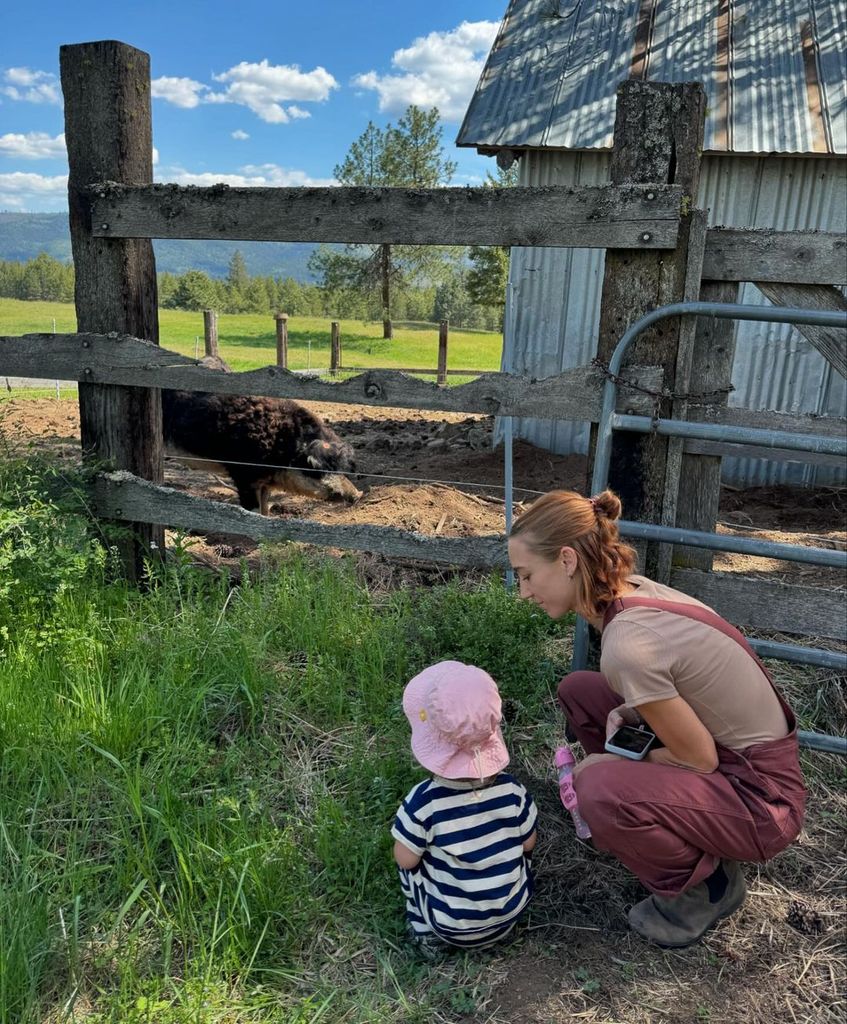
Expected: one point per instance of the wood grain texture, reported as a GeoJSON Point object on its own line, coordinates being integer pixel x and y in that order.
{"type": "Point", "coordinates": [762, 605]}
{"type": "Point", "coordinates": [123, 496]}
{"type": "Point", "coordinates": [831, 342]}
{"type": "Point", "coordinates": [630, 217]}
{"type": "Point", "coordinates": [574, 394]}
{"type": "Point", "coordinates": [108, 129]}
{"type": "Point", "coordinates": [798, 257]}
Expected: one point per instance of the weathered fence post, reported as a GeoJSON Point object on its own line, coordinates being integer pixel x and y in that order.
{"type": "Point", "coordinates": [658, 139]}
{"type": "Point", "coordinates": [282, 340]}
{"type": "Point", "coordinates": [443, 330]}
{"type": "Point", "coordinates": [108, 131]}
{"type": "Point", "coordinates": [335, 348]}
{"type": "Point", "coordinates": [210, 332]}
{"type": "Point", "coordinates": [711, 370]}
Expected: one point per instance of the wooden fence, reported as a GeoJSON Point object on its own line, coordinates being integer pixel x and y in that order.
{"type": "Point", "coordinates": [658, 250]}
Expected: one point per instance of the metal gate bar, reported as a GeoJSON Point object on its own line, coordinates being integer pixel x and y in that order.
{"type": "Point", "coordinates": [610, 420]}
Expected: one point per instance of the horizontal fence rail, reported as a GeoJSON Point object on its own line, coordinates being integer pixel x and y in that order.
{"type": "Point", "coordinates": [124, 496]}
{"type": "Point", "coordinates": [801, 257]}
{"type": "Point", "coordinates": [119, 359]}
{"type": "Point", "coordinates": [756, 604]}
{"type": "Point", "coordinates": [596, 216]}
{"type": "Point", "coordinates": [573, 394]}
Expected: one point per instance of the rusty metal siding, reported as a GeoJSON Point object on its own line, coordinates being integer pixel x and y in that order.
{"type": "Point", "coordinates": [773, 72]}
{"type": "Point", "coordinates": [556, 297]}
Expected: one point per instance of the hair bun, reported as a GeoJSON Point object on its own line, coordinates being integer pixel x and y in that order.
{"type": "Point", "coordinates": [607, 504]}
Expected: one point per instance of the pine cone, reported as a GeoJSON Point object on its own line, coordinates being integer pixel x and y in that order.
{"type": "Point", "coordinates": [804, 919]}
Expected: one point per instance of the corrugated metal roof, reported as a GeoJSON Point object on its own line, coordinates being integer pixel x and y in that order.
{"type": "Point", "coordinates": [773, 70]}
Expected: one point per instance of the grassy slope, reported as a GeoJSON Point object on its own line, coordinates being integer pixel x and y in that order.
{"type": "Point", "coordinates": [248, 340]}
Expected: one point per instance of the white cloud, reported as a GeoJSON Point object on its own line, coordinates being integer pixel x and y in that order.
{"type": "Point", "coordinates": [439, 70]}
{"type": "Point", "coordinates": [30, 86]}
{"type": "Point", "coordinates": [32, 146]}
{"type": "Point", "coordinates": [155, 156]}
{"type": "Point", "coordinates": [264, 87]}
{"type": "Point", "coordinates": [240, 135]}
{"type": "Point", "coordinates": [250, 175]}
{"type": "Point", "coordinates": [182, 92]}
{"type": "Point", "coordinates": [20, 191]}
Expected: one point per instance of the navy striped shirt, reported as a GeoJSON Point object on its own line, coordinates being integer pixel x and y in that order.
{"type": "Point", "coordinates": [473, 879]}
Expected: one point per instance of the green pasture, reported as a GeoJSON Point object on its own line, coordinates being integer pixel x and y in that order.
{"type": "Point", "coordinates": [248, 340]}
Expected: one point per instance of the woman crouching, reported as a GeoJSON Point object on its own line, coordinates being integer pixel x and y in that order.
{"type": "Point", "coordinates": [725, 784]}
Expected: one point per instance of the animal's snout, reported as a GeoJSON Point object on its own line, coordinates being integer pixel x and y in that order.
{"type": "Point", "coordinates": [340, 488]}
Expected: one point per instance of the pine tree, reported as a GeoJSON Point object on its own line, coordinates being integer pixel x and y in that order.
{"type": "Point", "coordinates": [409, 155]}
{"type": "Point", "coordinates": [489, 274]}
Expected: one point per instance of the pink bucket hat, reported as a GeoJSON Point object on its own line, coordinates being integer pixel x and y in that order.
{"type": "Point", "coordinates": [454, 711]}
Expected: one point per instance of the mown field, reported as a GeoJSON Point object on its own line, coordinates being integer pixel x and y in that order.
{"type": "Point", "coordinates": [248, 341]}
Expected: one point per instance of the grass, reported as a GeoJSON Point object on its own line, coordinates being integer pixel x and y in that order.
{"type": "Point", "coordinates": [248, 341]}
{"type": "Point", "coordinates": [197, 783]}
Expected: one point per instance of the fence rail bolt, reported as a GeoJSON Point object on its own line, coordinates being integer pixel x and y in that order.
{"type": "Point", "coordinates": [646, 236]}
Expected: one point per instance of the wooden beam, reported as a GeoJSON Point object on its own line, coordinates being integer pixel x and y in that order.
{"type": "Point", "coordinates": [689, 373]}
{"type": "Point", "coordinates": [628, 217]}
{"type": "Point", "coordinates": [724, 449]}
{"type": "Point", "coordinates": [756, 604]}
{"type": "Point", "coordinates": [762, 605]}
{"type": "Point", "coordinates": [124, 496]}
{"type": "Point", "coordinates": [801, 257]}
{"type": "Point", "coordinates": [658, 138]}
{"type": "Point", "coordinates": [108, 130]}
{"type": "Point", "coordinates": [831, 342]}
{"type": "Point", "coordinates": [711, 370]}
{"type": "Point", "coordinates": [574, 394]}
{"type": "Point", "coordinates": [766, 419]}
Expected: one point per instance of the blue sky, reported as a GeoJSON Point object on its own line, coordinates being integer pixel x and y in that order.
{"type": "Point", "coordinates": [252, 93]}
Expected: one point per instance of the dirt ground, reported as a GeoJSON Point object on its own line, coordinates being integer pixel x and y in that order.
{"type": "Point", "coordinates": [437, 473]}
{"type": "Point", "coordinates": [778, 959]}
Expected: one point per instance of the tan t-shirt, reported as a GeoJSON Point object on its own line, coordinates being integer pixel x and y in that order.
{"type": "Point", "coordinates": [650, 655]}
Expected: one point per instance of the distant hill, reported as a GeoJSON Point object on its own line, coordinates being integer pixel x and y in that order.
{"type": "Point", "coordinates": [24, 235]}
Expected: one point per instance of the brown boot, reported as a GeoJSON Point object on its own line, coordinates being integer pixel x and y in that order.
{"type": "Point", "coordinates": [681, 921]}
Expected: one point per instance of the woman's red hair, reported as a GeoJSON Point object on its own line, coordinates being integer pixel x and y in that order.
{"type": "Point", "coordinates": [562, 519]}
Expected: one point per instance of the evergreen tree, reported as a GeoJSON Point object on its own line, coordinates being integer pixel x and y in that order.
{"type": "Point", "coordinates": [489, 274]}
{"type": "Point", "coordinates": [195, 290]}
{"type": "Point", "coordinates": [237, 276]}
{"type": "Point", "coordinates": [409, 155]}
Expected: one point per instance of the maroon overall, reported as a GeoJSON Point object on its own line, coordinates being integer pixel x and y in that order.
{"type": "Point", "coordinates": [670, 826]}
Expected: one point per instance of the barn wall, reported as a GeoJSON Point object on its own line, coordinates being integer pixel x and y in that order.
{"type": "Point", "coordinates": [555, 297]}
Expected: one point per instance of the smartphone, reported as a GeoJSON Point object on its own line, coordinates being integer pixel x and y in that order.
{"type": "Point", "coordinates": [631, 742]}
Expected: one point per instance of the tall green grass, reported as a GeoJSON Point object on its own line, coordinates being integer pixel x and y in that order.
{"type": "Point", "coordinates": [248, 341]}
{"type": "Point", "coordinates": [197, 781]}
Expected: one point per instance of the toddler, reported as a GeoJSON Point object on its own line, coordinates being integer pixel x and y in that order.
{"type": "Point", "coordinates": [463, 837]}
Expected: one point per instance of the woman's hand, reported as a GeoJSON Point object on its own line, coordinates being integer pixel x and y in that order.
{"type": "Point", "coordinates": [621, 715]}
{"type": "Point", "coordinates": [586, 762]}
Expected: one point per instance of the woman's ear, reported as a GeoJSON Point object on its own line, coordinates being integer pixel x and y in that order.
{"type": "Point", "coordinates": [567, 556]}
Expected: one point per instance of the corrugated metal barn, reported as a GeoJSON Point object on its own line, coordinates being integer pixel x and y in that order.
{"type": "Point", "coordinates": [774, 157]}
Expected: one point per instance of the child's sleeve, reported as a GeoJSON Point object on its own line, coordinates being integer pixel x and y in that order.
{"type": "Point", "coordinates": [408, 827]}
{"type": "Point", "coordinates": [527, 815]}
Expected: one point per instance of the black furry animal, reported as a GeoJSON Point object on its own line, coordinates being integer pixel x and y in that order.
{"type": "Point", "coordinates": [228, 432]}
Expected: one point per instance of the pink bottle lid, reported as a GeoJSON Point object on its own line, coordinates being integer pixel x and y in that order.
{"type": "Point", "coordinates": [563, 756]}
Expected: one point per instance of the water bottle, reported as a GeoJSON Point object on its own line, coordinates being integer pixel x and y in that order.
{"type": "Point", "coordinates": [564, 762]}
